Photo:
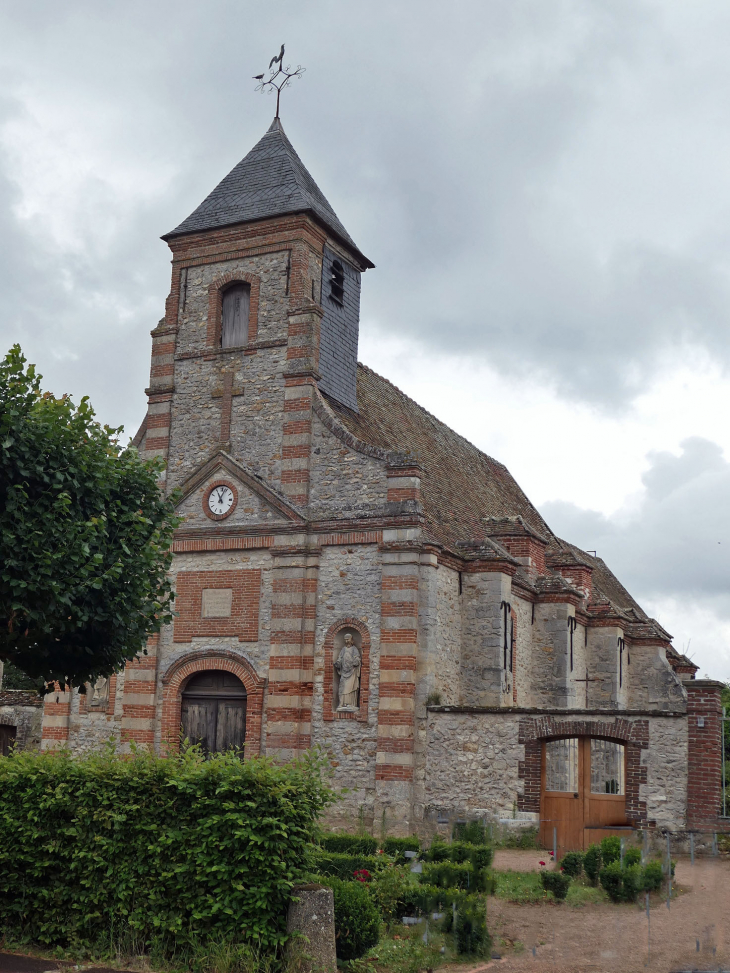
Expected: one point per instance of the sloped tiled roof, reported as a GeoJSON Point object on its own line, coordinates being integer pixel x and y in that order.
{"type": "Point", "coordinates": [463, 491]}
{"type": "Point", "coordinates": [460, 485]}
{"type": "Point", "coordinates": [270, 181]}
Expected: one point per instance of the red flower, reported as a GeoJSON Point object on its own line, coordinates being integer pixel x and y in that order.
{"type": "Point", "coordinates": [361, 875]}
{"type": "Point", "coordinates": [541, 863]}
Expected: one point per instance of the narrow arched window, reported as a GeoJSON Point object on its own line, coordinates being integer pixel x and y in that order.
{"type": "Point", "coordinates": [337, 282]}
{"type": "Point", "coordinates": [234, 315]}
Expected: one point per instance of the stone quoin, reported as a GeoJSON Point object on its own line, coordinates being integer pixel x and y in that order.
{"type": "Point", "coordinates": [502, 671]}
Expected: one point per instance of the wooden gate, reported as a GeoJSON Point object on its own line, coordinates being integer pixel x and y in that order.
{"type": "Point", "coordinates": [214, 711]}
{"type": "Point", "coordinates": [7, 739]}
{"type": "Point", "coordinates": [583, 792]}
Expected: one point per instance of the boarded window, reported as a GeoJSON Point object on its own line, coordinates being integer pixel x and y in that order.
{"type": "Point", "coordinates": [607, 767]}
{"type": "Point", "coordinates": [337, 282]}
{"type": "Point", "coordinates": [234, 317]}
{"type": "Point", "coordinates": [561, 765]}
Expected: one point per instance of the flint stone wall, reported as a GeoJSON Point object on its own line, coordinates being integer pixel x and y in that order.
{"type": "Point", "coordinates": [24, 711]}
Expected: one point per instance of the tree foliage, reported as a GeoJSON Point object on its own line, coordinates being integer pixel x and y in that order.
{"type": "Point", "coordinates": [84, 536]}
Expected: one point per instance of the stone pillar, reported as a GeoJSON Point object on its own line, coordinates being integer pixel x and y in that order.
{"type": "Point", "coordinates": [291, 664]}
{"type": "Point", "coordinates": [312, 916]}
{"type": "Point", "coordinates": [56, 716]}
{"type": "Point", "coordinates": [394, 761]}
{"type": "Point", "coordinates": [484, 679]}
{"type": "Point", "coordinates": [300, 376]}
{"type": "Point", "coordinates": [138, 699]}
{"type": "Point", "coordinates": [704, 757]}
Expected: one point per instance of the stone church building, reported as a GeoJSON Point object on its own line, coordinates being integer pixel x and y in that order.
{"type": "Point", "coordinates": [351, 573]}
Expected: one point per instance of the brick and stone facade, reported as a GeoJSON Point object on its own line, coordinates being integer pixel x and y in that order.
{"type": "Point", "coordinates": [482, 634]}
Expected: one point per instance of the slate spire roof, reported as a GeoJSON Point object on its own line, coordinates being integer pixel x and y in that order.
{"type": "Point", "coordinates": [270, 181]}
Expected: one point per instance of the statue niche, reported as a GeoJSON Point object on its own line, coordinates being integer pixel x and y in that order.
{"type": "Point", "coordinates": [347, 664]}
{"type": "Point", "coordinates": [99, 696]}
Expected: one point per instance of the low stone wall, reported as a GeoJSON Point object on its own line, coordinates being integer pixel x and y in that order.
{"type": "Point", "coordinates": [24, 711]}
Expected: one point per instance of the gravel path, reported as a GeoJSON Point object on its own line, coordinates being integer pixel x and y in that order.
{"type": "Point", "coordinates": [614, 937]}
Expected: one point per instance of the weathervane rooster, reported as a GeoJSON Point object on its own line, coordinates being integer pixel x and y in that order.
{"type": "Point", "coordinates": [279, 76]}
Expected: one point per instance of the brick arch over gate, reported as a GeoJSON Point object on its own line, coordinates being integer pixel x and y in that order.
{"type": "Point", "coordinates": [176, 678]}
{"type": "Point", "coordinates": [633, 734]}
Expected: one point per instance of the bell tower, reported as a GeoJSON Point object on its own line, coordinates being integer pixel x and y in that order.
{"type": "Point", "coordinates": [264, 304]}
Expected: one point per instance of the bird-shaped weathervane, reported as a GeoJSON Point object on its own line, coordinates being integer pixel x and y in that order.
{"type": "Point", "coordinates": [279, 76]}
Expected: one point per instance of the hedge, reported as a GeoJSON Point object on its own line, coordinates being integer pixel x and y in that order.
{"type": "Point", "coordinates": [460, 851]}
{"type": "Point", "coordinates": [453, 875]}
{"type": "Point", "coordinates": [343, 843]}
{"type": "Point", "coordinates": [396, 847]}
{"type": "Point", "coordinates": [357, 920]}
{"type": "Point", "coordinates": [343, 865]}
{"type": "Point", "coordinates": [172, 851]}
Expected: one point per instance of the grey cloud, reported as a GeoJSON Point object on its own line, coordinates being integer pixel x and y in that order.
{"type": "Point", "coordinates": [675, 541]}
{"type": "Point", "coordinates": [441, 141]}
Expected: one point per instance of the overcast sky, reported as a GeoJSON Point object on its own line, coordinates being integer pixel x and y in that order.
{"type": "Point", "coordinates": [544, 188]}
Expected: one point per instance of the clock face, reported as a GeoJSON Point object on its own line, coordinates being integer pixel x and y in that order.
{"type": "Point", "coordinates": [220, 500]}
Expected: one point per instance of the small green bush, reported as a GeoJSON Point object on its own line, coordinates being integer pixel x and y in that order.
{"type": "Point", "coordinates": [439, 851]}
{"type": "Point", "coordinates": [395, 847]}
{"type": "Point", "coordinates": [555, 882]}
{"type": "Point", "coordinates": [632, 856]}
{"type": "Point", "coordinates": [343, 866]}
{"type": "Point", "coordinates": [357, 920]}
{"type": "Point", "coordinates": [612, 880]}
{"type": "Point", "coordinates": [448, 875]}
{"type": "Point", "coordinates": [527, 839]}
{"type": "Point", "coordinates": [592, 863]}
{"type": "Point", "coordinates": [472, 937]}
{"type": "Point", "coordinates": [572, 863]}
{"type": "Point", "coordinates": [395, 894]}
{"type": "Point", "coordinates": [482, 856]}
{"type": "Point", "coordinates": [473, 832]}
{"type": "Point", "coordinates": [633, 881]}
{"type": "Point", "coordinates": [653, 876]}
{"type": "Point", "coordinates": [349, 844]}
{"type": "Point", "coordinates": [611, 849]}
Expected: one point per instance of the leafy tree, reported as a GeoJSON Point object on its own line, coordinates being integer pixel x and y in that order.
{"type": "Point", "coordinates": [14, 678]}
{"type": "Point", "coordinates": [84, 537]}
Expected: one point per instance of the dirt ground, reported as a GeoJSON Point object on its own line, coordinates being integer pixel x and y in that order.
{"type": "Point", "coordinates": [614, 937]}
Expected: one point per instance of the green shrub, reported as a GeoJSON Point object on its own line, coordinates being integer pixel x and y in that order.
{"type": "Point", "coordinates": [610, 849]}
{"type": "Point", "coordinates": [473, 832]}
{"type": "Point", "coordinates": [439, 851]}
{"type": "Point", "coordinates": [349, 844]}
{"type": "Point", "coordinates": [592, 863]}
{"type": "Point", "coordinates": [449, 875]}
{"type": "Point", "coordinates": [357, 920]}
{"type": "Point", "coordinates": [471, 937]}
{"type": "Point", "coordinates": [652, 877]}
{"type": "Point", "coordinates": [343, 866]}
{"type": "Point", "coordinates": [555, 882]}
{"type": "Point", "coordinates": [622, 884]}
{"type": "Point", "coordinates": [633, 876]}
{"type": "Point", "coordinates": [179, 851]}
{"type": "Point", "coordinates": [395, 847]}
{"type": "Point", "coordinates": [482, 856]}
{"type": "Point", "coordinates": [572, 863]}
{"type": "Point", "coordinates": [395, 894]}
{"type": "Point", "coordinates": [632, 856]}
{"type": "Point", "coordinates": [611, 877]}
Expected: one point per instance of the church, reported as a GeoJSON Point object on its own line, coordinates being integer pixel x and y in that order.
{"type": "Point", "coordinates": [352, 574]}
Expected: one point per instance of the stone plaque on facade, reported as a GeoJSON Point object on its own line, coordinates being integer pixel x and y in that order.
{"type": "Point", "coordinates": [217, 602]}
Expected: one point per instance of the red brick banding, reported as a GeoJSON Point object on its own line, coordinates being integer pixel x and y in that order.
{"type": "Point", "coordinates": [243, 621]}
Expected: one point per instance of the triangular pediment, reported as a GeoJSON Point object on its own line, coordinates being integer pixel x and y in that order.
{"type": "Point", "coordinates": [256, 502]}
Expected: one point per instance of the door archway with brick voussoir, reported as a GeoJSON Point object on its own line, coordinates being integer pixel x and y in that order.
{"type": "Point", "coordinates": [583, 795]}
{"type": "Point", "coordinates": [200, 698]}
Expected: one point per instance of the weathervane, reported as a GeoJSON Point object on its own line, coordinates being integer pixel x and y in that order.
{"type": "Point", "coordinates": [278, 79]}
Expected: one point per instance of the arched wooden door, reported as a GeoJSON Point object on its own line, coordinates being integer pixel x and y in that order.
{"type": "Point", "coordinates": [583, 792]}
{"type": "Point", "coordinates": [214, 711]}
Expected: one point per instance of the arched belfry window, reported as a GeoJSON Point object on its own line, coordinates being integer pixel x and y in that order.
{"type": "Point", "coordinates": [234, 315]}
{"type": "Point", "coordinates": [337, 282]}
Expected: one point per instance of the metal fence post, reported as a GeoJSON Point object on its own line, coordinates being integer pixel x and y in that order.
{"type": "Point", "coordinates": [555, 845]}
{"type": "Point", "coordinates": [692, 847]}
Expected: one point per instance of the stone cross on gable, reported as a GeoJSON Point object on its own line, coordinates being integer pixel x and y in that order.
{"type": "Point", "coordinates": [226, 391]}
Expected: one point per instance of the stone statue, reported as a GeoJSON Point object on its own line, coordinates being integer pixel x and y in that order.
{"type": "Point", "coordinates": [100, 693]}
{"type": "Point", "coordinates": [348, 667]}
